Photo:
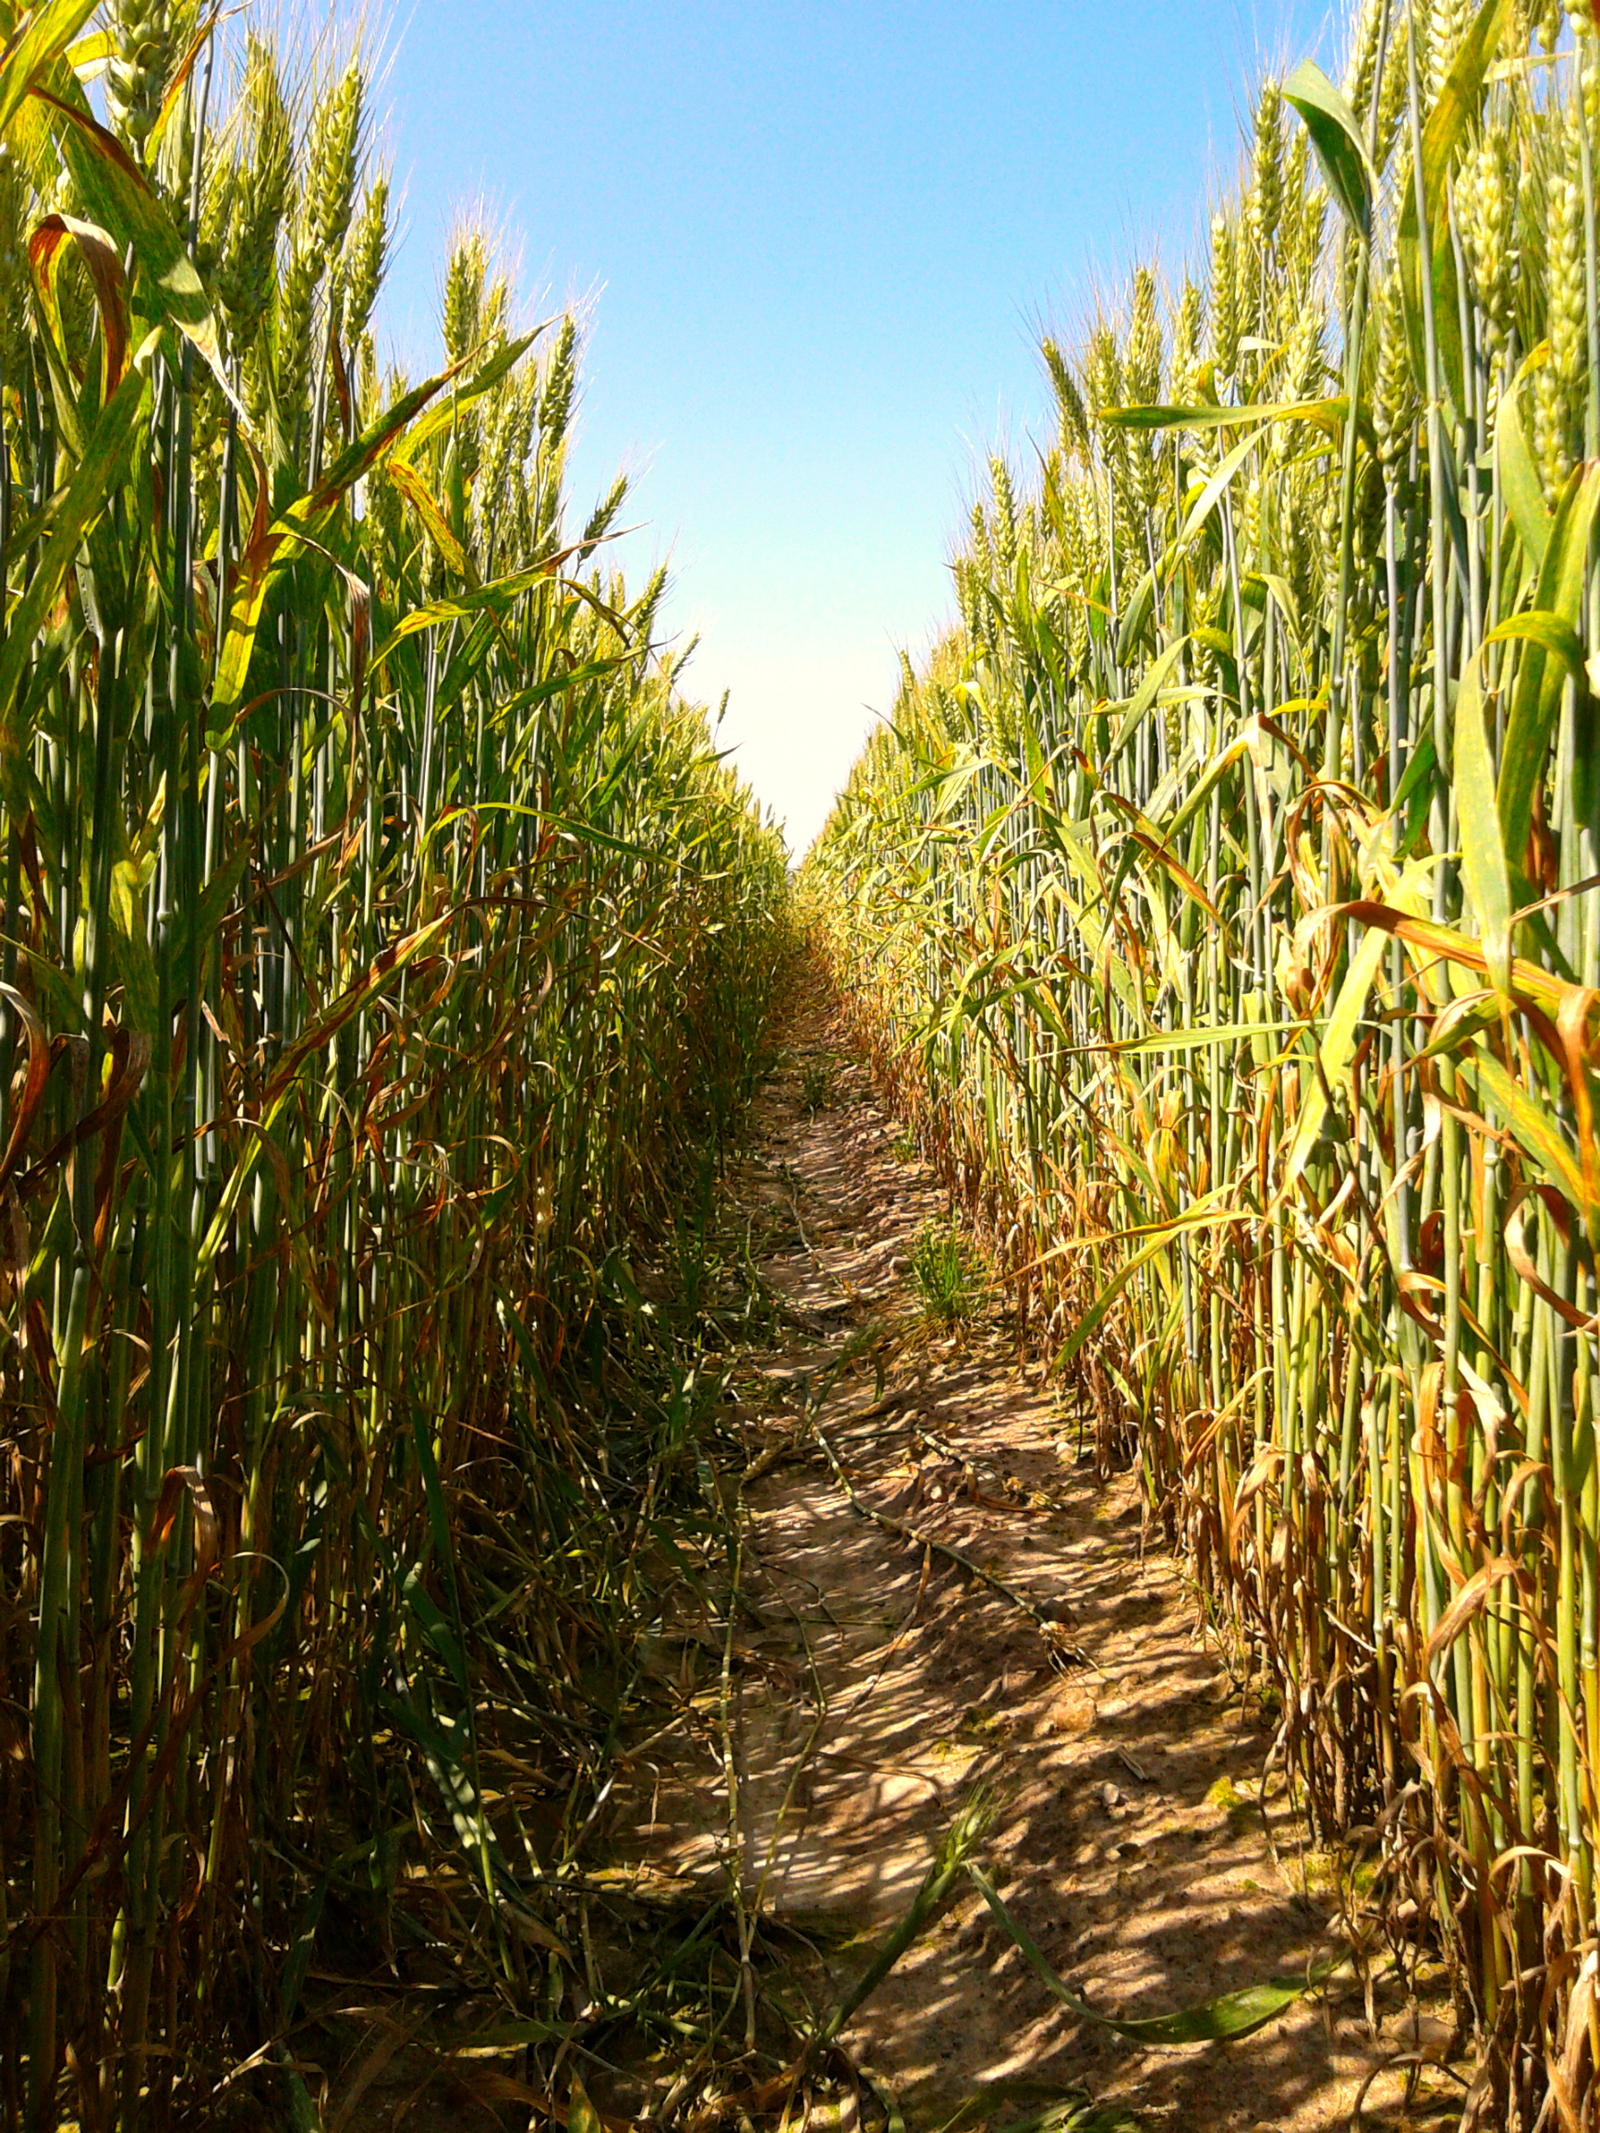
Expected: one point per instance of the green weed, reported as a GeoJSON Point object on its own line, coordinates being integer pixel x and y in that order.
{"type": "Point", "coordinates": [817, 1085]}
{"type": "Point", "coordinates": [947, 1275]}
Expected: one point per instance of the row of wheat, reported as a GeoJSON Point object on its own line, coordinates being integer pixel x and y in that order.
{"type": "Point", "coordinates": [1223, 898]}
{"type": "Point", "coordinates": [373, 905]}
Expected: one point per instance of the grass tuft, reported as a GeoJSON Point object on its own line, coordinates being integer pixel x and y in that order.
{"type": "Point", "coordinates": [948, 1277]}
{"type": "Point", "coordinates": [818, 1085]}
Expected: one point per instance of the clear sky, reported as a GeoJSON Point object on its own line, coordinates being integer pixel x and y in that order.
{"type": "Point", "coordinates": [820, 238]}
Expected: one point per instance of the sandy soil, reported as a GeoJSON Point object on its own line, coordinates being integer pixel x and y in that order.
{"type": "Point", "coordinates": [876, 1685]}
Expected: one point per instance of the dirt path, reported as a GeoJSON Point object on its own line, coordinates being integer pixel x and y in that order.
{"type": "Point", "coordinates": [874, 1685]}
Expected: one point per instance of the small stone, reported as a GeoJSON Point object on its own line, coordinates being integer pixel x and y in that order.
{"type": "Point", "coordinates": [1110, 1796]}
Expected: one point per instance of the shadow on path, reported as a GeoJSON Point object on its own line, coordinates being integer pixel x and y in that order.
{"type": "Point", "coordinates": [876, 1685]}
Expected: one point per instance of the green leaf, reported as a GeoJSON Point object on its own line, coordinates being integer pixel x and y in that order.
{"type": "Point", "coordinates": [1181, 1041]}
{"type": "Point", "coordinates": [304, 2117]}
{"type": "Point", "coordinates": [1452, 376]}
{"type": "Point", "coordinates": [1140, 608]}
{"type": "Point", "coordinates": [492, 599]}
{"type": "Point", "coordinates": [1460, 98]}
{"type": "Point", "coordinates": [117, 195]}
{"type": "Point", "coordinates": [270, 552]}
{"type": "Point", "coordinates": [1459, 102]}
{"type": "Point", "coordinates": [1325, 413]}
{"type": "Point", "coordinates": [1533, 1123]}
{"type": "Point", "coordinates": [1232, 2014]}
{"type": "Point", "coordinates": [1155, 675]}
{"type": "Point", "coordinates": [1336, 137]}
{"type": "Point", "coordinates": [582, 2117]}
{"type": "Point", "coordinates": [42, 37]}
{"type": "Point", "coordinates": [298, 1961]}
{"type": "Point", "coordinates": [1536, 703]}
{"type": "Point", "coordinates": [1519, 482]}
{"type": "Point", "coordinates": [1551, 632]}
{"type": "Point", "coordinates": [1333, 1055]}
{"type": "Point", "coordinates": [1487, 877]}
{"type": "Point", "coordinates": [1206, 502]}
{"type": "Point", "coordinates": [1417, 775]}
{"type": "Point", "coordinates": [65, 524]}
{"type": "Point", "coordinates": [1158, 1241]}
{"type": "Point", "coordinates": [1288, 605]}
{"type": "Point", "coordinates": [481, 381]}
{"type": "Point", "coordinates": [441, 1742]}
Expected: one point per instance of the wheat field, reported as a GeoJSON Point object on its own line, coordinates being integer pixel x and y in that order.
{"type": "Point", "coordinates": [1221, 901]}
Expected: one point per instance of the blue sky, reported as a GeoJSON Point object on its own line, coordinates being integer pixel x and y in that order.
{"type": "Point", "coordinates": [820, 238]}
